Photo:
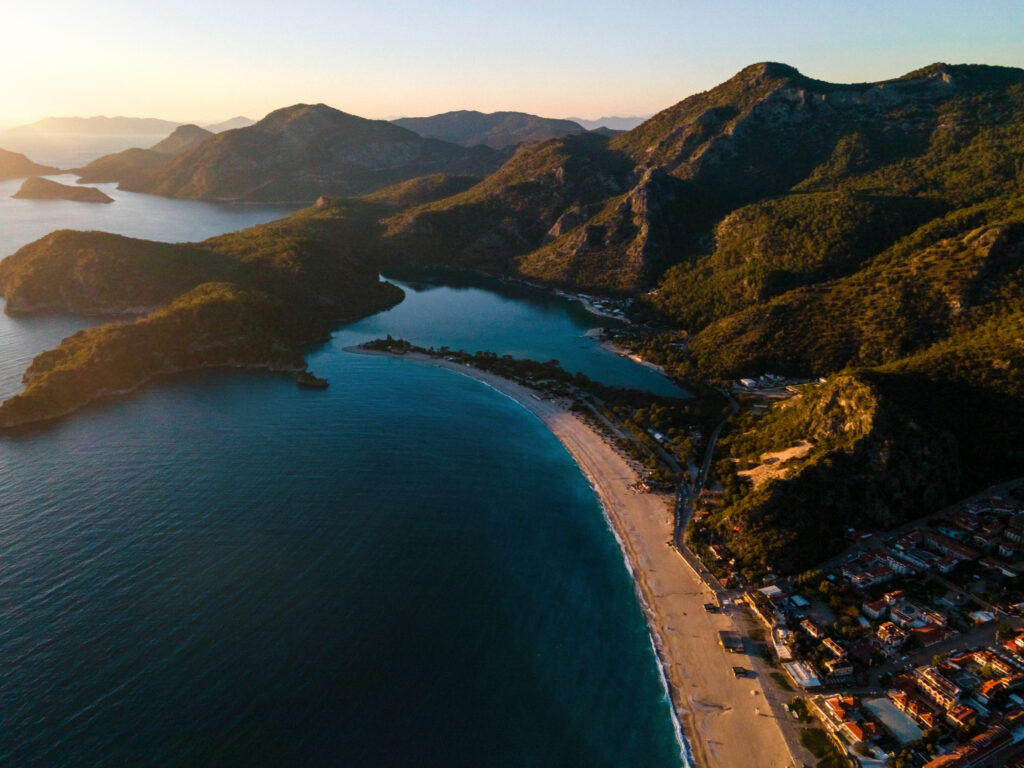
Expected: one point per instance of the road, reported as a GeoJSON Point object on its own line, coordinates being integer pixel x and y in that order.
{"type": "Point", "coordinates": [684, 504]}
{"type": "Point", "coordinates": [705, 467]}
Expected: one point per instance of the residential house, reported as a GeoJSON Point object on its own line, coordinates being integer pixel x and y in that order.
{"type": "Point", "coordinates": [999, 566]}
{"type": "Point", "coordinates": [874, 609]}
{"type": "Point", "coordinates": [860, 732]}
{"type": "Point", "coordinates": [838, 668]}
{"type": "Point", "coordinates": [890, 638]}
{"type": "Point", "coordinates": [918, 709]}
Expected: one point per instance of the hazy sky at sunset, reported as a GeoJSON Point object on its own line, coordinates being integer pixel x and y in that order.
{"type": "Point", "coordinates": [208, 60]}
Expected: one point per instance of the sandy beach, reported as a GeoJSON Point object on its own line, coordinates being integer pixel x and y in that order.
{"type": "Point", "coordinates": [726, 720]}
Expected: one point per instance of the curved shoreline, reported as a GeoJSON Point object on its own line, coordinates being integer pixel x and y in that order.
{"type": "Point", "coordinates": [718, 717]}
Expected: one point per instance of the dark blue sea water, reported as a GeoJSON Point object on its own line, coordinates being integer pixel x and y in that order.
{"type": "Point", "coordinates": [404, 569]}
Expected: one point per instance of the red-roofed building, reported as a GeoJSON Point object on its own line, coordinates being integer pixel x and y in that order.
{"type": "Point", "coordinates": [994, 564]}
{"type": "Point", "coordinates": [962, 716]}
{"type": "Point", "coordinates": [947, 546]}
{"type": "Point", "coordinates": [929, 635]}
{"type": "Point", "coordinates": [838, 668]}
{"type": "Point", "coordinates": [858, 732]}
{"type": "Point", "coordinates": [890, 637]}
{"type": "Point", "coordinates": [1015, 644]}
{"type": "Point", "coordinates": [842, 708]}
{"type": "Point", "coordinates": [937, 687]}
{"type": "Point", "coordinates": [812, 629]}
{"type": "Point", "coordinates": [874, 609]}
{"type": "Point", "coordinates": [988, 690]}
{"type": "Point", "coordinates": [998, 664]}
{"type": "Point", "coordinates": [976, 751]}
{"type": "Point", "coordinates": [917, 708]}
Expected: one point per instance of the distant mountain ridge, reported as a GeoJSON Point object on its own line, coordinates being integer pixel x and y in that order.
{"type": "Point", "coordinates": [497, 129]}
{"type": "Point", "coordinates": [98, 125]}
{"type": "Point", "coordinates": [307, 150]}
{"type": "Point", "coordinates": [643, 200]}
{"type": "Point", "coordinates": [228, 125]}
{"type": "Point", "coordinates": [612, 123]}
{"type": "Point", "coordinates": [132, 126]}
{"type": "Point", "coordinates": [131, 166]}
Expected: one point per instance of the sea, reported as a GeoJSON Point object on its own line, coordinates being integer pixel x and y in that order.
{"type": "Point", "coordinates": [404, 569]}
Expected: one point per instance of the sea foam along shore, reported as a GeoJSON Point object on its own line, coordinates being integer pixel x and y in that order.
{"type": "Point", "coordinates": [726, 720]}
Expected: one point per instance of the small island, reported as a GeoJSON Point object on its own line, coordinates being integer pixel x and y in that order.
{"type": "Point", "coordinates": [37, 188]}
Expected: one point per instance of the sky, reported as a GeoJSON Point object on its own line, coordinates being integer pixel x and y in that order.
{"type": "Point", "coordinates": [208, 60]}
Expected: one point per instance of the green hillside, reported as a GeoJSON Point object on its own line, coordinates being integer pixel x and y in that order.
{"type": "Point", "coordinates": [254, 298]}
{"type": "Point", "coordinates": [302, 152]}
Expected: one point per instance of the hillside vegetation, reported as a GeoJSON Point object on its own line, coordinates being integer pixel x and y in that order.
{"type": "Point", "coordinates": [302, 152]}
{"type": "Point", "coordinates": [254, 298]}
{"type": "Point", "coordinates": [37, 188]}
{"type": "Point", "coordinates": [872, 465]}
{"type": "Point", "coordinates": [872, 234]}
{"type": "Point", "coordinates": [805, 228]}
{"type": "Point", "coordinates": [497, 130]}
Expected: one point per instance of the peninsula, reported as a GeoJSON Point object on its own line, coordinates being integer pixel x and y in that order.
{"type": "Point", "coordinates": [16, 166]}
{"type": "Point", "coordinates": [36, 188]}
{"type": "Point", "coordinates": [253, 299]}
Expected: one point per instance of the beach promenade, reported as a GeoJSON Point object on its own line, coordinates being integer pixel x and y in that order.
{"type": "Point", "coordinates": [726, 720]}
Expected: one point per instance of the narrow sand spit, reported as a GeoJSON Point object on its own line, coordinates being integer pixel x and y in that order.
{"type": "Point", "coordinates": [721, 715]}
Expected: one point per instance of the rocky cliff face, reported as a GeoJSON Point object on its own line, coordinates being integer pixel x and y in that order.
{"type": "Point", "coordinates": [766, 132]}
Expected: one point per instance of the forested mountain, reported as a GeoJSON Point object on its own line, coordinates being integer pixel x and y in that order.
{"type": "Point", "coordinates": [497, 129]}
{"type": "Point", "coordinates": [809, 228]}
{"type": "Point", "coordinates": [255, 298]}
{"type": "Point", "coordinates": [131, 166]}
{"type": "Point", "coordinates": [302, 152]}
{"type": "Point", "coordinates": [872, 234]}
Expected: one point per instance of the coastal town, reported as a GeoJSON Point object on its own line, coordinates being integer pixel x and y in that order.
{"type": "Point", "coordinates": [907, 649]}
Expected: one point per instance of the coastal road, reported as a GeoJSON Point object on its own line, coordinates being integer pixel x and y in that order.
{"type": "Point", "coordinates": [702, 477]}
{"type": "Point", "coordinates": [686, 496]}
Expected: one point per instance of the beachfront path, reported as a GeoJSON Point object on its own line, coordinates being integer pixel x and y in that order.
{"type": "Point", "coordinates": [725, 719]}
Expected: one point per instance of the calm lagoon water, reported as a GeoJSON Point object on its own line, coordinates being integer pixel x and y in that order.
{"type": "Point", "coordinates": [404, 569]}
